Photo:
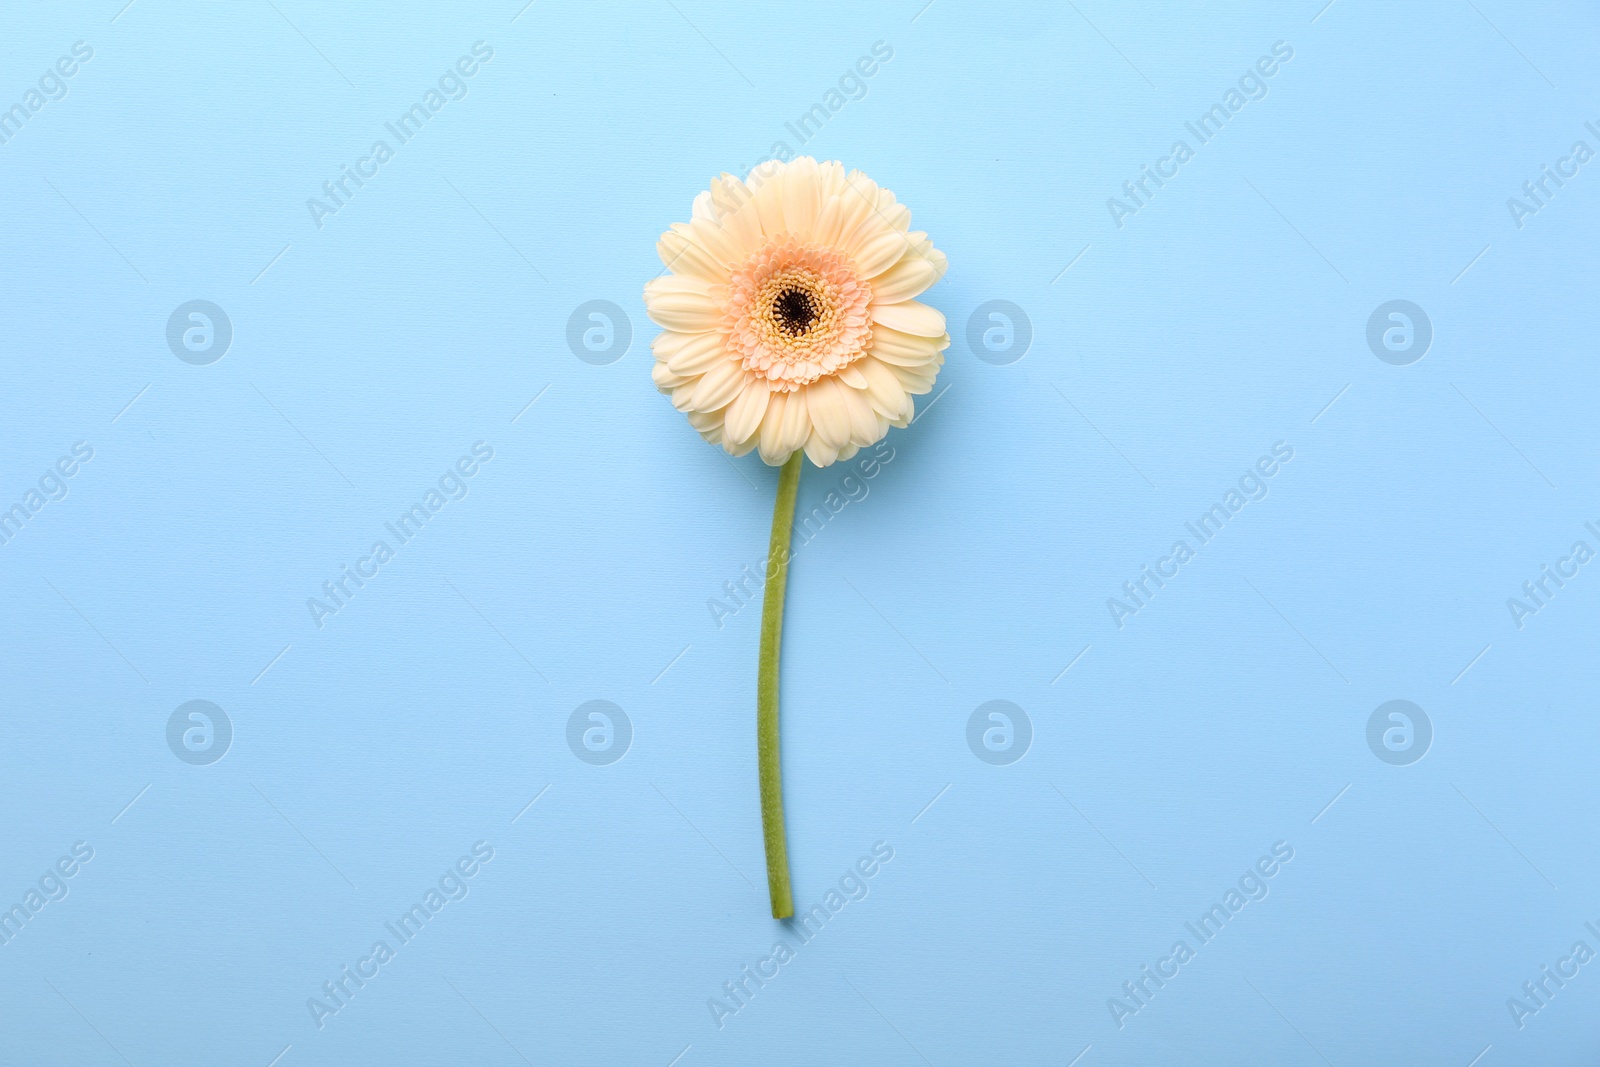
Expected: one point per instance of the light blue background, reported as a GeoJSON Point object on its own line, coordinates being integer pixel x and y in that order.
{"type": "Point", "coordinates": [1226, 315]}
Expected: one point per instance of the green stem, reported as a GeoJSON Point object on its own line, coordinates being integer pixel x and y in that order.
{"type": "Point", "coordinates": [767, 689]}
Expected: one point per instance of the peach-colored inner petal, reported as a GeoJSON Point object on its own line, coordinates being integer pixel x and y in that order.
{"type": "Point", "coordinates": [795, 312]}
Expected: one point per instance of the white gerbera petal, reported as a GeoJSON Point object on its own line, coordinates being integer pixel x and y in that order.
{"type": "Point", "coordinates": [718, 386]}
{"type": "Point", "coordinates": [688, 312]}
{"type": "Point", "coordinates": [743, 417]}
{"type": "Point", "coordinates": [825, 402]}
{"type": "Point", "coordinates": [715, 240]}
{"type": "Point", "coordinates": [925, 249]}
{"type": "Point", "coordinates": [794, 422]}
{"type": "Point", "coordinates": [852, 377]}
{"type": "Point", "coordinates": [668, 342]}
{"type": "Point", "coordinates": [767, 188]}
{"type": "Point", "coordinates": [802, 196]}
{"type": "Point", "coordinates": [858, 200]}
{"type": "Point", "coordinates": [908, 316]}
{"type": "Point", "coordinates": [863, 421]}
{"type": "Point", "coordinates": [702, 208]}
{"type": "Point", "coordinates": [679, 302]}
{"type": "Point", "coordinates": [888, 397]}
{"type": "Point", "coordinates": [831, 178]}
{"type": "Point", "coordinates": [708, 424]}
{"type": "Point", "coordinates": [665, 380]}
{"type": "Point", "coordinates": [879, 252]}
{"type": "Point", "coordinates": [905, 349]}
{"type": "Point", "coordinates": [671, 248]}
{"type": "Point", "coordinates": [683, 256]}
{"type": "Point", "coordinates": [699, 354]}
{"type": "Point", "coordinates": [894, 214]}
{"type": "Point", "coordinates": [769, 438]}
{"type": "Point", "coordinates": [820, 452]}
{"type": "Point", "coordinates": [682, 394]}
{"type": "Point", "coordinates": [825, 231]}
{"type": "Point", "coordinates": [912, 379]}
{"type": "Point", "coordinates": [877, 221]}
{"type": "Point", "coordinates": [672, 285]}
{"type": "Point", "coordinates": [740, 219]}
{"type": "Point", "coordinates": [910, 275]}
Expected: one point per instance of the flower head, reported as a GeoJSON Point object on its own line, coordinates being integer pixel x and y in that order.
{"type": "Point", "coordinates": [787, 316]}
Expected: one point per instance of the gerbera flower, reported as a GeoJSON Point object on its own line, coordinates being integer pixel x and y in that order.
{"type": "Point", "coordinates": [789, 326]}
{"type": "Point", "coordinates": [788, 317]}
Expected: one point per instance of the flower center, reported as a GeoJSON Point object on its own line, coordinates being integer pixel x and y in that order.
{"type": "Point", "coordinates": [794, 311]}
